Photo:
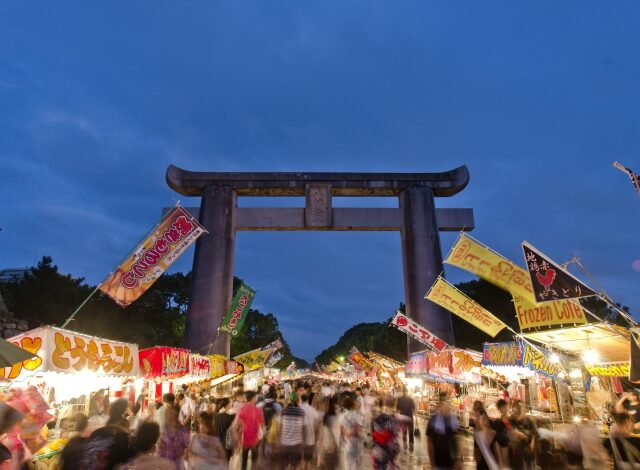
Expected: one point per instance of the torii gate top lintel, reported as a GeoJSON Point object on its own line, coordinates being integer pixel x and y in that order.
{"type": "Point", "coordinates": [192, 183]}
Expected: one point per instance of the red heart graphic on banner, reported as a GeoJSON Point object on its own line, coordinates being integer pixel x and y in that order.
{"type": "Point", "coordinates": [548, 278]}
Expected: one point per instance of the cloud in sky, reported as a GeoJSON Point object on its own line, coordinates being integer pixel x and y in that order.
{"type": "Point", "coordinates": [537, 99]}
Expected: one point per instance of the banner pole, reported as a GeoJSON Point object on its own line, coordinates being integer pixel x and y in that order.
{"type": "Point", "coordinates": [81, 305]}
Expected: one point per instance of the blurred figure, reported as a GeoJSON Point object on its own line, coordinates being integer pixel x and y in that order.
{"type": "Point", "coordinates": [328, 455]}
{"type": "Point", "coordinates": [109, 445]}
{"type": "Point", "coordinates": [75, 447]}
{"type": "Point", "coordinates": [144, 448]}
{"type": "Point", "coordinates": [502, 426]}
{"type": "Point", "coordinates": [406, 408]}
{"type": "Point", "coordinates": [174, 439]}
{"type": "Point", "coordinates": [442, 442]}
{"type": "Point", "coordinates": [292, 433]}
{"type": "Point", "coordinates": [5, 458]}
{"type": "Point", "coordinates": [523, 445]}
{"type": "Point", "coordinates": [250, 422]}
{"type": "Point", "coordinates": [629, 403]}
{"type": "Point", "coordinates": [168, 402]}
{"type": "Point", "coordinates": [384, 432]}
{"type": "Point", "coordinates": [222, 421]}
{"type": "Point", "coordinates": [310, 421]}
{"type": "Point", "coordinates": [483, 438]}
{"type": "Point", "coordinates": [623, 446]}
{"type": "Point", "coordinates": [205, 450]}
{"type": "Point", "coordinates": [351, 431]}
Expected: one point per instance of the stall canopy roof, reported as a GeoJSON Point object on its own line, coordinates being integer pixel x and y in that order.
{"type": "Point", "coordinates": [384, 361]}
{"type": "Point", "coordinates": [612, 342]}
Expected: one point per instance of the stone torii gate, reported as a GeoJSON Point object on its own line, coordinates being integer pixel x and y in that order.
{"type": "Point", "coordinates": [417, 219]}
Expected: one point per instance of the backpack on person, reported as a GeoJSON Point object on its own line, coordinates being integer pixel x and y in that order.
{"type": "Point", "coordinates": [269, 410]}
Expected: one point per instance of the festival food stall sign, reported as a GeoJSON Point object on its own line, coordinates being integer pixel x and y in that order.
{"type": "Point", "coordinates": [163, 362]}
{"type": "Point", "coordinates": [502, 354]}
{"type": "Point", "coordinates": [612, 369]}
{"type": "Point", "coordinates": [160, 247]}
{"type": "Point", "coordinates": [517, 353]}
{"type": "Point", "coordinates": [454, 300]}
{"type": "Point", "coordinates": [357, 358]}
{"type": "Point", "coordinates": [199, 366]}
{"type": "Point", "coordinates": [59, 350]}
{"type": "Point", "coordinates": [471, 255]}
{"type": "Point", "coordinates": [411, 328]}
{"type": "Point", "coordinates": [417, 363]}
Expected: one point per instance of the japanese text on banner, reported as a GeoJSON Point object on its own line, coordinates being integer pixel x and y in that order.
{"type": "Point", "coordinates": [238, 310]}
{"type": "Point", "coordinates": [411, 328]}
{"type": "Point", "coordinates": [447, 296]}
{"type": "Point", "coordinates": [152, 256]}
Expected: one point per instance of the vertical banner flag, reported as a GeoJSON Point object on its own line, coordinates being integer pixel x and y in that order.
{"type": "Point", "coordinates": [449, 297]}
{"type": "Point", "coordinates": [549, 280]}
{"type": "Point", "coordinates": [175, 232]}
{"type": "Point", "coordinates": [411, 328]}
{"type": "Point", "coordinates": [635, 179]}
{"type": "Point", "coordinates": [473, 256]}
{"type": "Point", "coordinates": [238, 310]}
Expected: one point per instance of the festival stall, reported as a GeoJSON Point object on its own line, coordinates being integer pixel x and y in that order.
{"type": "Point", "coordinates": [159, 366]}
{"type": "Point", "coordinates": [69, 369]}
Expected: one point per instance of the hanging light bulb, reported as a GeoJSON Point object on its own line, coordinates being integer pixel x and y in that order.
{"type": "Point", "coordinates": [590, 356]}
{"type": "Point", "coordinates": [554, 358]}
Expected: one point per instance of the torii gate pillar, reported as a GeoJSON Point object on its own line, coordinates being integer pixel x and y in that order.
{"type": "Point", "coordinates": [417, 219]}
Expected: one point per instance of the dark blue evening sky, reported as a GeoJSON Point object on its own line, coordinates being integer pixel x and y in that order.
{"type": "Point", "coordinates": [537, 98]}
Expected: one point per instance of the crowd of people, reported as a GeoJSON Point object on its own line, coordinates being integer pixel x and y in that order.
{"type": "Point", "coordinates": [325, 425]}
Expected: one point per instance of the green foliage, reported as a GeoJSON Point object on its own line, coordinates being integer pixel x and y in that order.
{"type": "Point", "coordinates": [375, 337]}
{"type": "Point", "coordinates": [47, 297]}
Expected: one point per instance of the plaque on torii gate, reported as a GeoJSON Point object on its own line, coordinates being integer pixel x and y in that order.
{"type": "Point", "coordinates": [417, 219]}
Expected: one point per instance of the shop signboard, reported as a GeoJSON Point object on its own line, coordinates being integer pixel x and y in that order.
{"type": "Point", "coordinates": [609, 369]}
{"type": "Point", "coordinates": [199, 366]}
{"type": "Point", "coordinates": [164, 362]}
{"type": "Point", "coordinates": [417, 363]}
{"type": "Point", "coordinates": [164, 244]}
{"type": "Point", "coordinates": [59, 350]}
{"type": "Point", "coordinates": [539, 360]}
{"type": "Point", "coordinates": [411, 328]}
{"type": "Point", "coordinates": [502, 354]}
{"type": "Point", "coordinates": [364, 364]}
{"type": "Point", "coordinates": [471, 255]}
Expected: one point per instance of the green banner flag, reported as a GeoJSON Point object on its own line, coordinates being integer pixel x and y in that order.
{"type": "Point", "coordinates": [238, 310]}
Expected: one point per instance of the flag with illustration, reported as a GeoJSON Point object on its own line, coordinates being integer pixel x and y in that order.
{"type": "Point", "coordinates": [238, 310]}
{"type": "Point", "coordinates": [551, 281]}
{"type": "Point", "coordinates": [274, 359]}
{"type": "Point", "coordinates": [153, 255]}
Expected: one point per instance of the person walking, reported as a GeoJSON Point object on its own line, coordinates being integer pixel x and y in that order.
{"type": "Point", "coordinates": [406, 409]}
{"type": "Point", "coordinates": [144, 449]}
{"type": "Point", "coordinates": [442, 443]}
{"type": "Point", "coordinates": [384, 433]}
{"type": "Point", "coordinates": [328, 450]}
{"type": "Point", "coordinates": [250, 422]}
{"type": "Point", "coordinates": [352, 433]}
{"type": "Point", "coordinates": [310, 423]}
{"type": "Point", "coordinates": [174, 439]}
{"type": "Point", "coordinates": [205, 450]}
{"type": "Point", "coordinates": [523, 446]}
{"type": "Point", "coordinates": [292, 434]}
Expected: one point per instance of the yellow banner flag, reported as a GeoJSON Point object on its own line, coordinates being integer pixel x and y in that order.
{"type": "Point", "coordinates": [557, 312]}
{"type": "Point", "coordinates": [449, 297]}
{"type": "Point", "coordinates": [254, 359]}
{"type": "Point", "coordinates": [473, 256]}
